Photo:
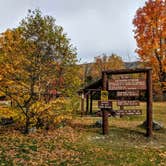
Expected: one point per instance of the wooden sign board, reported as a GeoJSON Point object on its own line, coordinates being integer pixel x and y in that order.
{"type": "Point", "coordinates": [104, 95]}
{"type": "Point", "coordinates": [105, 104]}
{"type": "Point", "coordinates": [128, 103]}
{"type": "Point", "coordinates": [129, 112]}
{"type": "Point", "coordinates": [127, 84]}
{"type": "Point", "coordinates": [127, 93]}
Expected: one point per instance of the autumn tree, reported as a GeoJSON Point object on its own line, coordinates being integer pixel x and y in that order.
{"type": "Point", "coordinates": [105, 62]}
{"type": "Point", "coordinates": [150, 35]}
{"type": "Point", "coordinates": [32, 56]}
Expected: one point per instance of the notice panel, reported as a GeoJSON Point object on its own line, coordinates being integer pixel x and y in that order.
{"type": "Point", "coordinates": [127, 84]}
{"type": "Point", "coordinates": [128, 103]}
{"type": "Point", "coordinates": [129, 112]}
{"type": "Point", "coordinates": [105, 104]}
{"type": "Point", "coordinates": [127, 93]}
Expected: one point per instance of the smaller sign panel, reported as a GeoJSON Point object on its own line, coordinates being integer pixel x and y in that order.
{"type": "Point", "coordinates": [127, 93]}
{"type": "Point", "coordinates": [128, 103]}
{"type": "Point", "coordinates": [105, 104]}
{"type": "Point", "coordinates": [129, 112]}
{"type": "Point", "coordinates": [104, 95]}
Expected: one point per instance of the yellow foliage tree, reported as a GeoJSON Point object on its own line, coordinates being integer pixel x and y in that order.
{"type": "Point", "coordinates": [33, 55]}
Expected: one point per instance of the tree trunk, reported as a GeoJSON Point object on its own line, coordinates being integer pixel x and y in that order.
{"type": "Point", "coordinates": [27, 122]}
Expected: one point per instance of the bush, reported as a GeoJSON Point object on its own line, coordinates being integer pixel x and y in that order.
{"type": "Point", "coordinates": [74, 104]}
{"type": "Point", "coordinates": [43, 115]}
{"type": "Point", "coordinates": [46, 115]}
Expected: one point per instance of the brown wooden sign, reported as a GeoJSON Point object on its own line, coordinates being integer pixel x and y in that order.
{"type": "Point", "coordinates": [128, 103]}
{"type": "Point", "coordinates": [105, 104]}
{"type": "Point", "coordinates": [127, 93]}
{"type": "Point", "coordinates": [129, 112]}
{"type": "Point", "coordinates": [127, 84]}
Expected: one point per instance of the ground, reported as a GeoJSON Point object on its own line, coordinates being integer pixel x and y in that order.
{"type": "Point", "coordinates": [80, 143]}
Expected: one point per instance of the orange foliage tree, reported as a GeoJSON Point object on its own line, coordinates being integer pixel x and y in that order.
{"type": "Point", "coordinates": [150, 35]}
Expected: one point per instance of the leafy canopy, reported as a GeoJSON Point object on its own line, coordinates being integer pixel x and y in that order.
{"type": "Point", "coordinates": [33, 56]}
{"type": "Point", "coordinates": [150, 35]}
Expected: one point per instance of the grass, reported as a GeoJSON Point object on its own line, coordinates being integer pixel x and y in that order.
{"type": "Point", "coordinates": [81, 143]}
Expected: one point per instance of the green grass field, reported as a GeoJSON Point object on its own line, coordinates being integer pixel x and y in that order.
{"type": "Point", "coordinates": [80, 143]}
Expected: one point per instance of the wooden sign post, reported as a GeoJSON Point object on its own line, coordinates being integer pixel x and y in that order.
{"type": "Point", "coordinates": [149, 103]}
{"type": "Point", "coordinates": [129, 87]}
{"type": "Point", "coordinates": [104, 111]}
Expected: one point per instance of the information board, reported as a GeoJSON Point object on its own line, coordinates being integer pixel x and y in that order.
{"type": "Point", "coordinates": [105, 104]}
{"type": "Point", "coordinates": [127, 84]}
{"type": "Point", "coordinates": [128, 103]}
{"type": "Point", "coordinates": [129, 112]}
{"type": "Point", "coordinates": [128, 93]}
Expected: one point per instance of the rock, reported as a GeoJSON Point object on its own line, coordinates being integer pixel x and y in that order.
{"type": "Point", "coordinates": [98, 123]}
{"type": "Point", "coordinates": [155, 125]}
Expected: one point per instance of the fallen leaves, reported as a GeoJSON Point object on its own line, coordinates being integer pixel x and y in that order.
{"type": "Point", "coordinates": [40, 147]}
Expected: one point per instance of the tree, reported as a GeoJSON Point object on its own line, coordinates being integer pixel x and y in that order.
{"type": "Point", "coordinates": [150, 35]}
{"type": "Point", "coordinates": [105, 62]}
{"type": "Point", "coordinates": [33, 55]}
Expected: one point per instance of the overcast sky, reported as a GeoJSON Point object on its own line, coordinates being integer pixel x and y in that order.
{"type": "Point", "coordinates": [94, 26]}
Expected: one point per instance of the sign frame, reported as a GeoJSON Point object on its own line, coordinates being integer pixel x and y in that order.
{"type": "Point", "coordinates": [149, 106]}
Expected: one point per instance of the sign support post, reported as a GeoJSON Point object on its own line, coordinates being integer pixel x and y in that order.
{"type": "Point", "coordinates": [149, 103]}
{"type": "Point", "coordinates": [104, 111]}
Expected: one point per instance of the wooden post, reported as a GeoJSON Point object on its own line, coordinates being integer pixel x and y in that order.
{"type": "Point", "coordinates": [104, 111]}
{"type": "Point", "coordinates": [82, 103]}
{"type": "Point", "coordinates": [87, 104]}
{"type": "Point", "coordinates": [149, 103]}
{"type": "Point", "coordinates": [91, 102]}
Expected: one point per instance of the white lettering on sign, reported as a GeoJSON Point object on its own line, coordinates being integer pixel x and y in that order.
{"type": "Point", "coordinates": [127, 84]}
{"type": "Point", "coordinates": [105, 104]}
{"type": "Point", "coordinates": [127, 93]}
{"type": "Point", "coordinates": [129, 112]}
{"type": "Point", "coordinates": [128, 103]}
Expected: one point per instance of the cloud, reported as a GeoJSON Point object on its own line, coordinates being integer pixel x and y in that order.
{"type": "Point", "coordinates": [94, 26]}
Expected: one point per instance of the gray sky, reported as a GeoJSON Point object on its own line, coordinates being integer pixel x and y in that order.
{"type": "Point", "coordinates": [94, 26]}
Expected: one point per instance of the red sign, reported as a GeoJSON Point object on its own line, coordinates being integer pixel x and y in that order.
{"type": "Point", "coordinates": [105, 104]}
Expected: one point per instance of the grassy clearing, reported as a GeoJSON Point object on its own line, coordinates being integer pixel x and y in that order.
{"type": "Point", "coordinates": [81, 143]}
